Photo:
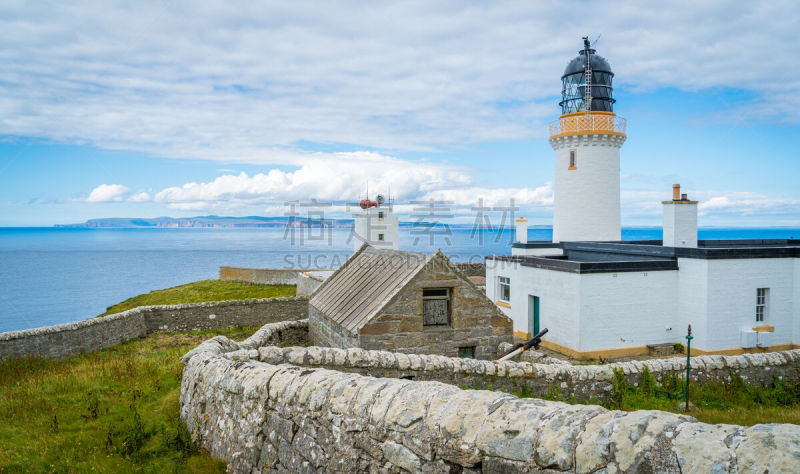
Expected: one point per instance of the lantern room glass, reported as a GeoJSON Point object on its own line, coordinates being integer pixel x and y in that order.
{"type": "Point", "coordinates": [573, 81]}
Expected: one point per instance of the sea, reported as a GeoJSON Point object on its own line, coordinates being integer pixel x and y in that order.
{"type": "Point", "coordinates": [54, 275]}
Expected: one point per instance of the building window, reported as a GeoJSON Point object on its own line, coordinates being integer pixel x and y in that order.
{"type": "Point", "coordinates": [436, 307]}
{"type": "Point", "coordinates": [380, 237]}
{"type": "Point", "coordinates": [573, 159]}
{"type": "Point", "coordinates": [762, 298]}
{"type": "Point", "coordinates": [466, 352]}
{"type": "Point", "coordinates": [380, 214]}
{"type": "Point", "coordinates": [504, 289]}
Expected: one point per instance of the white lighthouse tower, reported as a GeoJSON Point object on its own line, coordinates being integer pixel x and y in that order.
{"type": "Point", "coordinates": [586, 139]}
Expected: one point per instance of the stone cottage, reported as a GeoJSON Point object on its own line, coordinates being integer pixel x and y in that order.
{"type": "Point", "coordinates": [381, 299]}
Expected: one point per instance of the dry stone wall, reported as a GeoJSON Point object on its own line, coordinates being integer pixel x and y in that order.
{"type": "Point", "coordinates": [261, 416]}
{"type": "Point", "coordinates": [99, 333]}
{"type": "Point", "coordinates": [583, 382]}
{"type": "Point", "coordinates": [260, 276]}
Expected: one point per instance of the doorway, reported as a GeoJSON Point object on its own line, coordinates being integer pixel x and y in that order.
{"type": "Point", "coordinates": [533, 315]}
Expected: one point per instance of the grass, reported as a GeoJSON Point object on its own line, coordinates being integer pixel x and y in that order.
{"type": "Point", "coordinates": [114, 410]}
{"type": "Point", "coordinates": [731, 401]}
{"type": "Point", "coordinates": [202, 291]}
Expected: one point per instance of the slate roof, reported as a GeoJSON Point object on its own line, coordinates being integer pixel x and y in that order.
{"type": "Point", "coordinates": [365, 283]}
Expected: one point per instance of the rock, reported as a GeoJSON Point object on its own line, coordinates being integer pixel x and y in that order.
{"type": "Point", "coordinates": [399, 455]}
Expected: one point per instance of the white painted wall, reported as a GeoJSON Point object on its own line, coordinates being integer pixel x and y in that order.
{"type": "Point", "coordinates": [732, 285]}
{"type": "Point", "coordinates": [521, 230]}
{"type": "Point", "coordinates": [692, 301]}
{"type": "Point", "coordinates": [368, 225]}
{"type": "Point", "coordinates": [796, 300]}
{"type": "Point", "coordinates": [558, 294]}
{"type": "Point", "coordinates": [586, 199]}
{"type": "Point", "coordinates": [680, 224]}
{"type": "Point", "coordinates": [627, 309]}
{"type": "Point", "coordinates": [606, 311]}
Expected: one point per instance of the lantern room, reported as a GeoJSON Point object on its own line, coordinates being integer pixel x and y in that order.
{"type": "Point", "coordinates": [575, 78]}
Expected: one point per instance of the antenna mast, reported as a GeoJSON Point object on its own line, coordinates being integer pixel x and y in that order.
{"type": "Point", "coordinates": [587, 93]}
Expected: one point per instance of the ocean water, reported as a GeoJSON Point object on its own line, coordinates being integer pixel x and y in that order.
{"type": "Point", "coordinates": [56, 275]}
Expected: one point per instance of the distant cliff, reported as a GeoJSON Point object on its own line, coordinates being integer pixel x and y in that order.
{"type": "Point", "coordinates": [212, 221]}
{"type": "Point", "coordinates": [250, 221]}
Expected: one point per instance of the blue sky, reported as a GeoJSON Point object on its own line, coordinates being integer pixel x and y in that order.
{"type": "Point", "coordinates": [194, 108]}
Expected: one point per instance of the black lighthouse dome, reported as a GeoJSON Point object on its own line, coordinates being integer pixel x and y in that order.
{"type": "Point", "coordinates": [573, 92]}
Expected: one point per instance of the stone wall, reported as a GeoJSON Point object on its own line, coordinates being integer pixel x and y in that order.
{"type": "Point", "coordinates": [98, 333]}
{"type": "Point", "coordinates": [583, 382]}
{"type": "Point", "coordinates": [222, 314]}
{"type": "Point", "coordinates": [261, 276]}
{"type": "Point", "coordinates": [259, 416]}
{"type": "Point", "coordinates": [474, 320]}
{"type": "Point", "coordinates": [472, 268]}
{"type": "Point", "coordinates": [324, 333]}
{"type": "Point", "coordinates": [308, 282]}
{"type": "Point", "coordinates": [73, 338]}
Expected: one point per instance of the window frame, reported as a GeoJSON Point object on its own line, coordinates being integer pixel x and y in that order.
{"type": "Point", "coordinates": [380, 237]}
{"type": "Point", "coordinates": [503, 284]}
{"type": "Point", "coordinates": [463, 352]}
{"type": "Point", "coordinates": [762, 305]}
{"type": "Point", "coordinates": [447, 296]}
{"type": "Point", "coordinates": [572, 159]}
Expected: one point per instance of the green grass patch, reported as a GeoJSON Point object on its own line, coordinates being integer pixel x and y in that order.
{"type": "Point", "coordinates": [203, 291]}
{"type": "Point", "coordinates": [114, 410]}
{"type": "Point", "coordinates": [732, 401]}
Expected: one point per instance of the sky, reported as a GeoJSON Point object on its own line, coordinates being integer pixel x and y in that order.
{"type": "Point", "coordinates": [146, 109]}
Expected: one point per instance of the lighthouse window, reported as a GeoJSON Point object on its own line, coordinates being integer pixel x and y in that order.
{"type": "Point", "coordinates": [380, 215]}
{"type": "Point", "coordinates": [762, 295]}
{"type": "Point", "coordinates": [380, 237]}
{"type": "Point", "coordinates": [573, 159]}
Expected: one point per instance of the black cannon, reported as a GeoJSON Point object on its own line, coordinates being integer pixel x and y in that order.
{"type": "Point", "coordinates": [521, 347]}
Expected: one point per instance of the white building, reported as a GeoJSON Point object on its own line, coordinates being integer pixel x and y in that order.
{"type": "Point", "coordinates": [600, 297]}
{"type": "Point", "coordinates": [376, 225]}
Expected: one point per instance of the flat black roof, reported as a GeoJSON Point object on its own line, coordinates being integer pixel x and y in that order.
{"type": "Point", "coordinates": [564, 264]}
{"type": "Point", "coordinates": [647, 255]}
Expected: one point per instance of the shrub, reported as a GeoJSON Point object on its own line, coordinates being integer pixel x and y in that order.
{"type": "Point", "coordinates": [619, 388]}
{"type": "Point", "coordinates": [648, 384]}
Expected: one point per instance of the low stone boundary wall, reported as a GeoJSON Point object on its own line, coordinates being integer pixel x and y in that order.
{"type": "Point", "coordinates": [308, 282]}
{"type": "Point", "coordinates": [259, 416]}
{"type": "Point", "coordinates": [261, 276]}
{"type": "Point", "coordinates": [99, 333]}
{"type": "Point", "coordinates": [566, 380]}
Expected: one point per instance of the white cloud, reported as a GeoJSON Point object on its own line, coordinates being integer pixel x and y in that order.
{"type": "Point", "coordinates": [139, 197]}
{"type": "Point", "coordinates": [342, 178]}
{"type": "Point", "coordinates": [237, 82]}
{"type": "Point", "coordinates": [716, 207]}
{"type": "Point", "coordinates": [107, 193]}
{"type": "Point", "coordinates": [333, 177]}
{"type": "Point", "coordinates": [190, 206]}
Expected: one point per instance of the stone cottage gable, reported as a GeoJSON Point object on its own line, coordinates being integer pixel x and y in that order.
{"type": "Point", "coordinates": [472, 325]}
{"type": "Point", "coordinates": [353, 294]}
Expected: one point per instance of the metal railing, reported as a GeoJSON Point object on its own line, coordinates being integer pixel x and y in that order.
{"type": "Point", "coordinates": [582, 124]}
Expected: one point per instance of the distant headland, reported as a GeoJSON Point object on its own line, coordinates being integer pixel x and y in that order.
{"type": "Point", "coordinates": [234, 222]}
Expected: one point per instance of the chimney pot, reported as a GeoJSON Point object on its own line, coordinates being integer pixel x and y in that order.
{"type": "Point", "coordinates": [684, 197]}
{"type": "Point", "coordinates": [676, 192]}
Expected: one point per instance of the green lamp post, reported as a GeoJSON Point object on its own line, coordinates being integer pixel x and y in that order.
{"type": "Point", "coordinates": [688, 367]}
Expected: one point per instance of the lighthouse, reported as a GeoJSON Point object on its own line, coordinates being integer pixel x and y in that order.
{"type": "Point", "coordinates": [586, 139]}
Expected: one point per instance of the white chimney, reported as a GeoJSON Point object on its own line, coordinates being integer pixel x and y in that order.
{"type": "Point", "coordinates": [680, 220]}
{"type": "Point", "coordinates": [521, 230]}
